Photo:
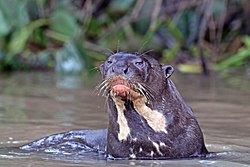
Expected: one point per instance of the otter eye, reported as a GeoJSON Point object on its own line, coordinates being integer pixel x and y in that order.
{"type": "Point", "coordinates": [139, 63]}
{"type": "Point", "coordinates": [109, 62]}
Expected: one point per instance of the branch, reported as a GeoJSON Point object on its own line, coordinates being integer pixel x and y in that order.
{"type": "Point", "coordinates": [206, 7]}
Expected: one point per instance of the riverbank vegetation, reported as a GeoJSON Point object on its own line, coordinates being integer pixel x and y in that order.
{"type": "Point", "coordinates": [74, 35]}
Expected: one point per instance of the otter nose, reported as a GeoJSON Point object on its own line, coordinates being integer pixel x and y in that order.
{"type": "Point", "coordinates": [120, 68]}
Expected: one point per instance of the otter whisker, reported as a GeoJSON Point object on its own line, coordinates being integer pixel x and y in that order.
{"type": "Point", "coordinates": [102, 87]}
{"type": "Point", "coordinates": [141, 87]}
{"type": "Point", "coordinates": [117, 46]}
{"type": "Point", "coordinates": [144, 88]}
{"type": "Point", "coordinates": [101, 84]}
{"type": "Point", "coordinates": [105, 92]}
{"type": "Point", "coordinates": [147, 52]}
{"type": "Point", "coordinates": [109, 50]}
{"type": "Point", "coordinates": [102, 90]}
{"type": "Point", "coordinates": [147, 88]}
{"type": "Point", "coordinates": [143, 91]}
{"type": "Point", "coordinates": [148, 93]}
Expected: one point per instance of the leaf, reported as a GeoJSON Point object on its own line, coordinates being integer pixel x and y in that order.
{"type": "Point", "coordinates": [238, 58]}
{"type": "Point", "coordinates": [235, 60]}
{"type": "Point", "coordinates": [246, 41]}
{"type": "Point", "coordinates": [94, 28]}
{"type": "Point", "coordinates": [174, 29]}
{"type": "Point", "coordinates": [64, 23]}
{"type": "Point", "coordinates": [87, 58]}
{"type": "Point", "coordinates": [170, 54]}
{"type": "Point", "coordinates": [21, 14]}
{"type": "Point", "coordinates": [20, 36]}
{"type": "Point", "coordinates": [4, 26]}
{"type": "Point", "coordinates": [18, 40]}
{"type": "Point", "coordinates": [15, 12]}
{"type": "Point", "coordinates": [150, 33]}
{"type": "Point", "coordinates": [121, 5]}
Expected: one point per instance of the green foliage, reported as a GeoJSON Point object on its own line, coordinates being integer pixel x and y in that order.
{"type": "Point", "coordinates": [47, 34]}
{"type": "Point", "coordinates": [21, 35]}
{"type": "Point", "coordinates": [169, 54]}
{"type": "Point", "coordinates": [238, 59]}
{"type": "Point", "coordinates": [65, 24]}
{"type": "Point", "coordinates": [29, 40]}
{"type": "Point", "coordinates": [121, 5]}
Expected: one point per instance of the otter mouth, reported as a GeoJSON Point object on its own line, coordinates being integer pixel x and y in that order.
{"type": "Point", "coordinates": [120, 87]}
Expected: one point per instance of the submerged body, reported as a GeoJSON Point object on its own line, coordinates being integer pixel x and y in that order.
{"type": "Point", "coordinates": [148, 119]}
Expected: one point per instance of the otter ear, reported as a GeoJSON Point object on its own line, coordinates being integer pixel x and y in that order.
{"type": "Point", "coordinates": [168, 69]}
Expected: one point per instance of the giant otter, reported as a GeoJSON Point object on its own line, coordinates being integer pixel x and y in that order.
{"type": "Point", "coordinates": [148, 118]}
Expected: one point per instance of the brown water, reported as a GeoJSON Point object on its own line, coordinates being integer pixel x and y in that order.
{"type": "Point", "coordinates": [33, 105]}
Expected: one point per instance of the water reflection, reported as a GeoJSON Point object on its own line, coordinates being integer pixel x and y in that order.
{"type": "Point", "coordinates": [33, 105]}
{"type": "Point", "coordinates": [69, 81]}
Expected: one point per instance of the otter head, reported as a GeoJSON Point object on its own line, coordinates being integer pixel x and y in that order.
{"type": "Point", "coordinates": [127, 76]}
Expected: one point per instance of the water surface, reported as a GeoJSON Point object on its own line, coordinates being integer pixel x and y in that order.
{"type": "Point", "coordinates": [34, 105]}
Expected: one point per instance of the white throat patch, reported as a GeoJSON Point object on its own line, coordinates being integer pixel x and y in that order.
{"type": "Point", "coordinates": [124, 130]}
{"type": "Point", "coordinates": [155, 119]}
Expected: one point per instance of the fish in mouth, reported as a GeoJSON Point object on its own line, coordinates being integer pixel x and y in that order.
{"type": "Point", "coordinates": [119, 87]}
